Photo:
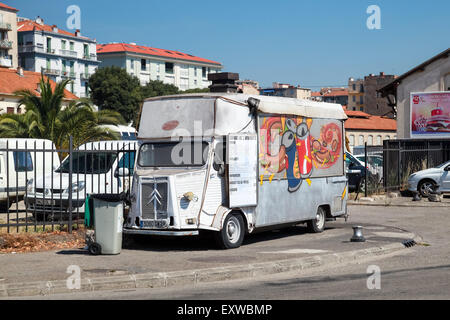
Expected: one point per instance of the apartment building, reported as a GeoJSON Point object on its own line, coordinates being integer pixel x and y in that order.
{"type": "Point", "coordinates": [8, 37]}
{"type": "Point", "coordinates": [355, 94]}
{"type": "Point", "coordinates": [363, 94]}
{"type": "Point", "coordinates": [183, 70]}
{"type": "Point", "coordinates": [331, 95]}
{"type": "Point", "coordinates": [286, 90]}
{"type": "Point", "coordinates": [57, 53]}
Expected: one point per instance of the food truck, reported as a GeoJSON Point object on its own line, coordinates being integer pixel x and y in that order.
{"type": "Point", "coordinates": [234, 164]}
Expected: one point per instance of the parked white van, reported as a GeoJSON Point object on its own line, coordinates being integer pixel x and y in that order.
{"type": "Point", "coordinates": [20, 161]}
{"type": "Point", "coordinates": [233, 164]}
{"type": "Point", "coordinates": [126, 132]}
{"type": "Point", "coordinates": [97, 167]}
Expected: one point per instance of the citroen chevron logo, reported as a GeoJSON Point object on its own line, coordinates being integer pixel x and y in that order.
{"type": "Point", "coordinates": [155, 196]}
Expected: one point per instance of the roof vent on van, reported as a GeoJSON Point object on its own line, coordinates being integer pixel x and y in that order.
{"type": "Point", "coordinates": [223, 82]}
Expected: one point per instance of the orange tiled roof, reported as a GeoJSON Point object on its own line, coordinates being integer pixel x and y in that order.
{"type": "Point", "coordinates": [11, 81]}
{"type": "Point", "coordinates": [358, 120]}
{"type": "Point", "coordinates": [336, 93]}
{"type": "Point", "coordinates": [30, 25]}
{"type": "Point", "coordinates": [4, 6]}
{"type": "Point", "coordinates": [316, 94]}
{"type": "Point", "coordinates": [126, 47]}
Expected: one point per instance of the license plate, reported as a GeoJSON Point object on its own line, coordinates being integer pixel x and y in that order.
{"type": "Point", "coordinates": [45, 202]}
{"type": "Point", "coordinates": [152, 224]}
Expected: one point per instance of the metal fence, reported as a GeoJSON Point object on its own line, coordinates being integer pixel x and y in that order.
{"type": "Point", "coordinates": [390, 165]}
{"type": "Point", "coordinates": [42, 188]}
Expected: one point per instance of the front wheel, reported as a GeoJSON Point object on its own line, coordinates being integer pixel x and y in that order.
{"type": "Point", "coordinates": [317, 225]}
{"type": "Point", "coordinates": [425, 187]}
{"type": "Point", "coordinates": [232, 234]}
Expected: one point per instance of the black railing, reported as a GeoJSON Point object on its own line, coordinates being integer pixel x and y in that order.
{"type": "Point", "coordinates": [390, 165]}
{"type": "Point", "coordinates": [42, 187]}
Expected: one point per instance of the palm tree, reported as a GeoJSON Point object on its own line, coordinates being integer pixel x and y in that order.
{"type": "Point", "coordinates": [47, 118]}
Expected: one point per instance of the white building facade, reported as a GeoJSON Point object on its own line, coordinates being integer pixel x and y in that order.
{"type": "Point", "coordinates": [58, 54]}
{"type": "Point", "coordinates": [183, 70]}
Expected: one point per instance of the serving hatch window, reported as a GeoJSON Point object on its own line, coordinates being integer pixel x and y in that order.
{"type": "Point", "coordinates": [173, 154]}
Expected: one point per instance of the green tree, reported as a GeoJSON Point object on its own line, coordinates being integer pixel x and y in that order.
{"type": "Point", "coordinates": [158, 88]}
{"type": "Point", "coordinates": [114, 89]}
{"type": "Point", "coordinates": [197, 90]}
{"type": "Point", "coordinates": [46, 118]}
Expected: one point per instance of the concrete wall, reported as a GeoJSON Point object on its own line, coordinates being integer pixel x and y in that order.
{"type": "Point", "coordinates": [435, 77]}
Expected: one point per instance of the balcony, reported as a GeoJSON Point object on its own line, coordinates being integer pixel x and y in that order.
{"type": "Point", "coordinates": [68, 53]}
{"type": "Point", "coordinates": [68, 74]}
{"type": "Point", "coordinates": [5, 26]}
{"type": "Point", "coordinates": [5, 44]}
{"type": "Point", "coordinates": [6, 62]}
{"type": "Point", "coordinates": [50, 72]}
{"type": "Point", "coordinates": [30, 48]}
{"type": "Point", "coordinates": [90, 56]}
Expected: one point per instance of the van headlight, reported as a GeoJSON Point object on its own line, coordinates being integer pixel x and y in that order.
{"type": "Point", "coordinates": [76, 187]}
{"type": "Point", "coordinates": [30, 187]}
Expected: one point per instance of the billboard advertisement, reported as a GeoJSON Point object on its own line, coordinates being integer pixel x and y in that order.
{"type": "Point", "coordinates": [430, 114]}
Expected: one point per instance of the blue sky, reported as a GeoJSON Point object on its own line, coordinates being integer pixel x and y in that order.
{"type": "Point", "coordinates": [311, 43]}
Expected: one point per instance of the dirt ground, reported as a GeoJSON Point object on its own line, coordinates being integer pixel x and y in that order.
{"type": "Point", "coordinates": [41, 241]}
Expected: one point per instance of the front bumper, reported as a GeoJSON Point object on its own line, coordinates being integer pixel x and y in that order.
{"type": "Point", "coordinates": [412, 185]}
{"type": "Point", "coordinates": [172, 233]}
{"type": "Point", "coordinates": [41, 204]}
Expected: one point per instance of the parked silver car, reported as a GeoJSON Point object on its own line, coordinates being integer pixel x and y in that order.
{"type": "Point", "coordinates": [425, 180]}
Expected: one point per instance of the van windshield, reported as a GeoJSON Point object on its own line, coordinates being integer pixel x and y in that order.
{"type": "Point", "coordinates": [95, 162]}
{"type": "Point", "coordinates": [173, 154]}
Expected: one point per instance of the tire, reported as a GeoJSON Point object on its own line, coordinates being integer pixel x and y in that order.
{"type": "Point", "coordinates": [232, 234]}
{"type": "Point", "coordinates": [362, 185]}
{"type": "Point", "coordinates": [4, 206]}
{"type": "Point", "coordinates": [95, 249]}
{"type": "Point", "coordinates": [425, 186]}
{"type": "Point", "coordinates": [317, 225]}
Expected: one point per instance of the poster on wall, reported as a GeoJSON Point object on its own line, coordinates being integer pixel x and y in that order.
{"type": "Point", "coordinates": [430, 114]}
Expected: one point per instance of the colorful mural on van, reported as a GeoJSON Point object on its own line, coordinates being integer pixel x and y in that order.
{"type": "Point", "coordinates": [298, 148]}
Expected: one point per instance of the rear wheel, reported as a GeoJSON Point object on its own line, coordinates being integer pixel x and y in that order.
{"type": "Point", "coordinates": [232, 234]}
{"type": "Point", "coordinates": [425, 187]}
{"type": "Point", "coordinates": [95, 249]}
{"type": "Point", "coordinates": [317, 225]}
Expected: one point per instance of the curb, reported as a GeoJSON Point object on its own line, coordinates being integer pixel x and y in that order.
{"type": "Point", "coordinates": [410, 204]}
{"type": "Point", "coordinates": [192, 277]}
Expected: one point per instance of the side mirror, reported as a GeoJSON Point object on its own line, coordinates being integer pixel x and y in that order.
{"type": "Point", "coordinates": [122, 172]}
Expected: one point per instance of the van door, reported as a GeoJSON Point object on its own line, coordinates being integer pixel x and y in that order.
{"type": "Point", "coordinates": [242, 174]}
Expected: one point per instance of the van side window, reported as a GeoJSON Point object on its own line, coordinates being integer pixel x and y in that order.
{"type": "Point", "coordinates": [22, 161]}
{"type": "Point", "coordinates": [127, 161]}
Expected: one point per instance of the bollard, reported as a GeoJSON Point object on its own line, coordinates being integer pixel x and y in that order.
{"type": "Point", "coordinates": [357, 234]}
